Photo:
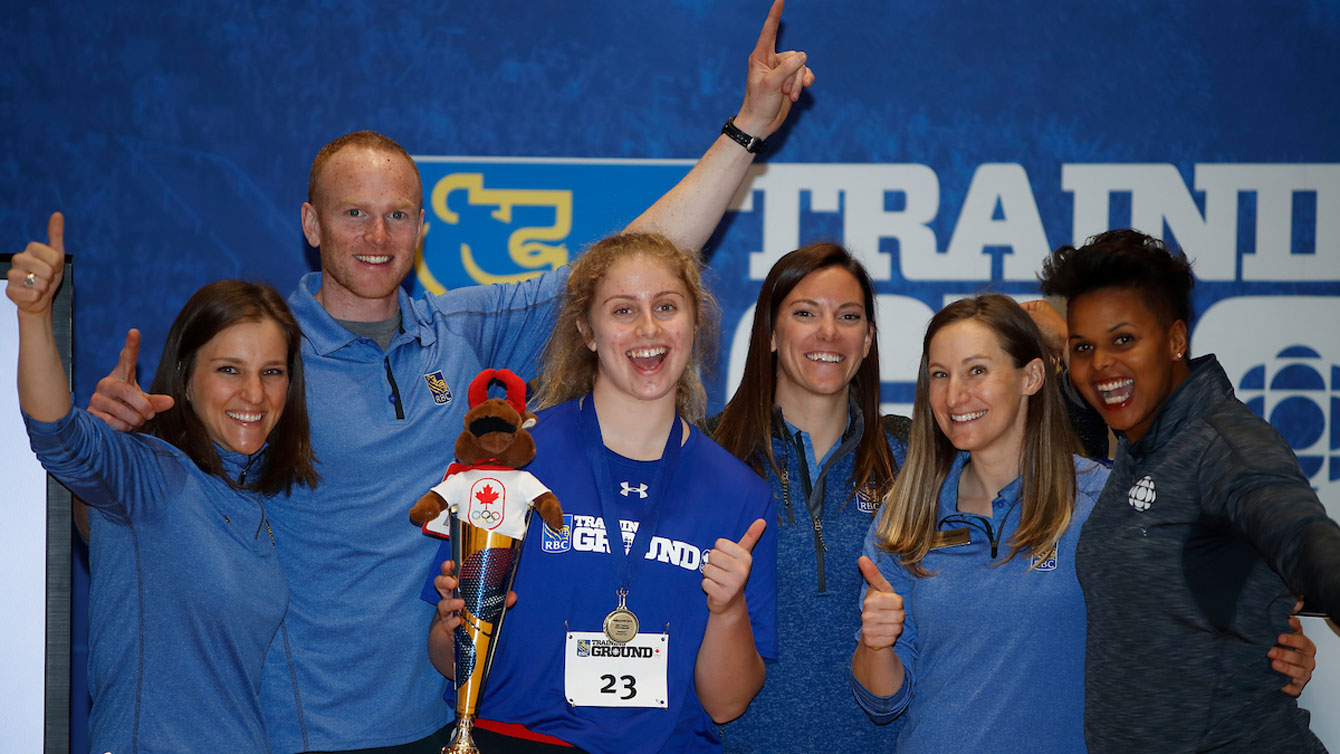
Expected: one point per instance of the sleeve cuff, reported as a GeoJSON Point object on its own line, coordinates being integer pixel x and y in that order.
{"type": "Point", "coordinates": [881, 709]}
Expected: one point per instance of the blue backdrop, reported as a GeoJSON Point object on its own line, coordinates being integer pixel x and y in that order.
{"type": "Point", "coordinates": [950, 144]}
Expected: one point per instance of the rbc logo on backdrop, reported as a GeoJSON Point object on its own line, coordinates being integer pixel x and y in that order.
{"type": "Point", "coordinates": [503, 220]}
{"type": "Point", "coordinates": [1284, 362]}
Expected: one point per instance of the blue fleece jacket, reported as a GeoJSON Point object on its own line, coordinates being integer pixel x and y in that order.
{"type": "Point", "coordinates": [185, 596]}
{"type": "Point", "coordinates": [805, 703]}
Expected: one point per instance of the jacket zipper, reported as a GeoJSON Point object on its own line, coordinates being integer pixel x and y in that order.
{"type": "Point", "coordinates": [395, 389]}
{"type": "Point", "coordinates": [786, 495]}
{"type": "Point", "coordinates": [806, 486]}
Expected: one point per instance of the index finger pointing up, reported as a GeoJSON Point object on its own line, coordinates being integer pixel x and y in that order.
{"type": "Point", "coordinates": [767, 39]}
{"type": "Point", "coordinates": [56, 234]}
{"type": "Point", "coordinates": [130, 353]}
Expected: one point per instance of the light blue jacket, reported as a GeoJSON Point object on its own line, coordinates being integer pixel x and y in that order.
{"type": "Point", "coordinates": [383, 429]}
{"type": "Point", "coordinates": [185, 596]}
{"type": "Point", "coordinates": [993, 652]}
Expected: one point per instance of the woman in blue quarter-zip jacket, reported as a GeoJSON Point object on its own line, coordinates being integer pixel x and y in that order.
{"type": "Point", "coordinates": [806, 417]}
{"type": "Point", "coordinates": [186, 594]}
{"type": "Point", "coordinates": [972, 629]}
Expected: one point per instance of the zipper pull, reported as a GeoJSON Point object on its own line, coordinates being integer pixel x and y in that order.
{"type": "Point", "coordinates": [786, 498]}
{"type": "Point", "coordinates": [819, 533]}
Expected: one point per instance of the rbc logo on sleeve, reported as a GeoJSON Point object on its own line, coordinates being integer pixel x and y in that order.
{"type": "Point", "coordinates": [557, 541]}
{"type": "Point", "coordinates": [437, 386]}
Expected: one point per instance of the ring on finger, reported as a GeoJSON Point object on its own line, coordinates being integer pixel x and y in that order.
{"type": "Point", "coordinates": [29, 280]}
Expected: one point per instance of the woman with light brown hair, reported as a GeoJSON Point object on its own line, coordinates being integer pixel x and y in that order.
{"type": "Point", "coordinates": [973, 610]}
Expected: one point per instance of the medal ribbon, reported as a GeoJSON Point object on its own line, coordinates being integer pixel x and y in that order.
{"type": "Point", "coordinates": [626, 564]}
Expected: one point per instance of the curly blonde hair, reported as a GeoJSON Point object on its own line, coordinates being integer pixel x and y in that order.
{"type": "Point", "coordinates": [568, 368]}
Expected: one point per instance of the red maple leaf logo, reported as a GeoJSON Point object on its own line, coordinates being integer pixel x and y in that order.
{"type": "Point", "coordinates": [486, 495]}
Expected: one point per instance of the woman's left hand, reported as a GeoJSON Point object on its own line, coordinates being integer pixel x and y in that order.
{"type": "Point", "coordinates": [1295, 657]}
{"type": "Point", "coordinates": [726, 571]}
{"type": "Point", "coordinates": [36, 272]}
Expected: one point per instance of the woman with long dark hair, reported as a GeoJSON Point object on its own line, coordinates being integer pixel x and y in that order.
{"type": "Point", "coordinates": [186, 594]}
{"type": "Point", "coordinates": [806, 417]}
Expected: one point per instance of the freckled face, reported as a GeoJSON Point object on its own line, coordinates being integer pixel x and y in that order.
{"type": "Point", "coordinates": [1122, 359]}
{"type": "Point", "coordinates": [821, 334]}
{"type": "Point", "coordinates": [366, 221]}
{"type": "Point", "coordinates": [238, 385]}
{"type": "Point", "coordinates": [640, 326]}
{"type": "Point", "coordinates": [978, 396]}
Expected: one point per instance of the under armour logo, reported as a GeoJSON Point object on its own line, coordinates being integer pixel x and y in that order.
{"type": "Point", "coordinates": [641, 490]}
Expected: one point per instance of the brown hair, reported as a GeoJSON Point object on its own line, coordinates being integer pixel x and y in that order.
{"type": "Point", "coordinates": [368, 139]}
{"type": "Point", "coordinates": [746, 423]}
{"type": "Point", "coordinates": [211, 310]}
{"type": "Point", "coordinates": [908, 521]}
{"type": "Point", "coordinates": [569, 367]}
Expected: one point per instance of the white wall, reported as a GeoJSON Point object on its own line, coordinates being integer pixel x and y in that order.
{"type": "Point", "coordinates": [23, 574]}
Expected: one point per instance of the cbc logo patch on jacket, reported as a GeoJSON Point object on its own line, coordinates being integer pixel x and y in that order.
{"type": "Point", "coordinates": [1142, 494]}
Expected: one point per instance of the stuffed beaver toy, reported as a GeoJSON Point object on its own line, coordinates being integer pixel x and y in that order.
{"type": "Point", "coordinates": [484, 487]}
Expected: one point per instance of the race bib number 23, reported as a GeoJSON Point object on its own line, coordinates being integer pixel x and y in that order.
{"type": "Point", "coordinates": [598, 672]}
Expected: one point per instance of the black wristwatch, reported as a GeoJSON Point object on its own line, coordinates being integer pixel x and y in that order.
{"type": "Point", "coordinates": [750, 143]}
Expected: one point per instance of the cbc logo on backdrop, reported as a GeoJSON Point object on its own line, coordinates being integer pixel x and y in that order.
{"type": "Point", "coordinates": [1282, 354]}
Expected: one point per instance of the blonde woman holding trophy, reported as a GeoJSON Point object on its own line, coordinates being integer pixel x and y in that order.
{"type": "Point", "coordinates": [644, 647]}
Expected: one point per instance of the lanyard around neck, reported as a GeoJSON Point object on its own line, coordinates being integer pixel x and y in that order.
{"type": "Point", "coordinates": [626, 563]}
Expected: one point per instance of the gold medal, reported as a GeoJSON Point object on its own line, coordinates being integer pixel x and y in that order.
{"type": "Point", "coordinates": [621, 624]}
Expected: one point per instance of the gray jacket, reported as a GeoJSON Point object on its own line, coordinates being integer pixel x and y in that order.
{"type": "Point", "coordinates": [1190, 564]}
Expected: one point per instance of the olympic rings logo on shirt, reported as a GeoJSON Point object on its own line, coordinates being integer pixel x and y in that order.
{"type": "Point", "coordinates": [486, 516]}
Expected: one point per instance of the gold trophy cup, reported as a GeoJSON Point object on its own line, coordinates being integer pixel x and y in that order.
{"type": "Point", "coordinates": [485, 566]}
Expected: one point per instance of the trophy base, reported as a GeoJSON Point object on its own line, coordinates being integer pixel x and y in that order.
{"type": "Point", "coordinates": [461, 741]}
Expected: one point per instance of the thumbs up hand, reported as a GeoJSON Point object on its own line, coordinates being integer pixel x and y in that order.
{"type": "Point", "coordinates": [882, 611]}
{"type": "Point", "coordinates": [36, 272]}
{"type": "Point", "coordinates": [726, 569]}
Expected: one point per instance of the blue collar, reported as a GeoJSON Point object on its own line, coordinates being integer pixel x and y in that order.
{"type": "Point", "coordinates": [1005, 498]}
{"type": "Point", "coordinates": [816, 464]}
{"type": "Point", "coordinates": [233, 466]}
